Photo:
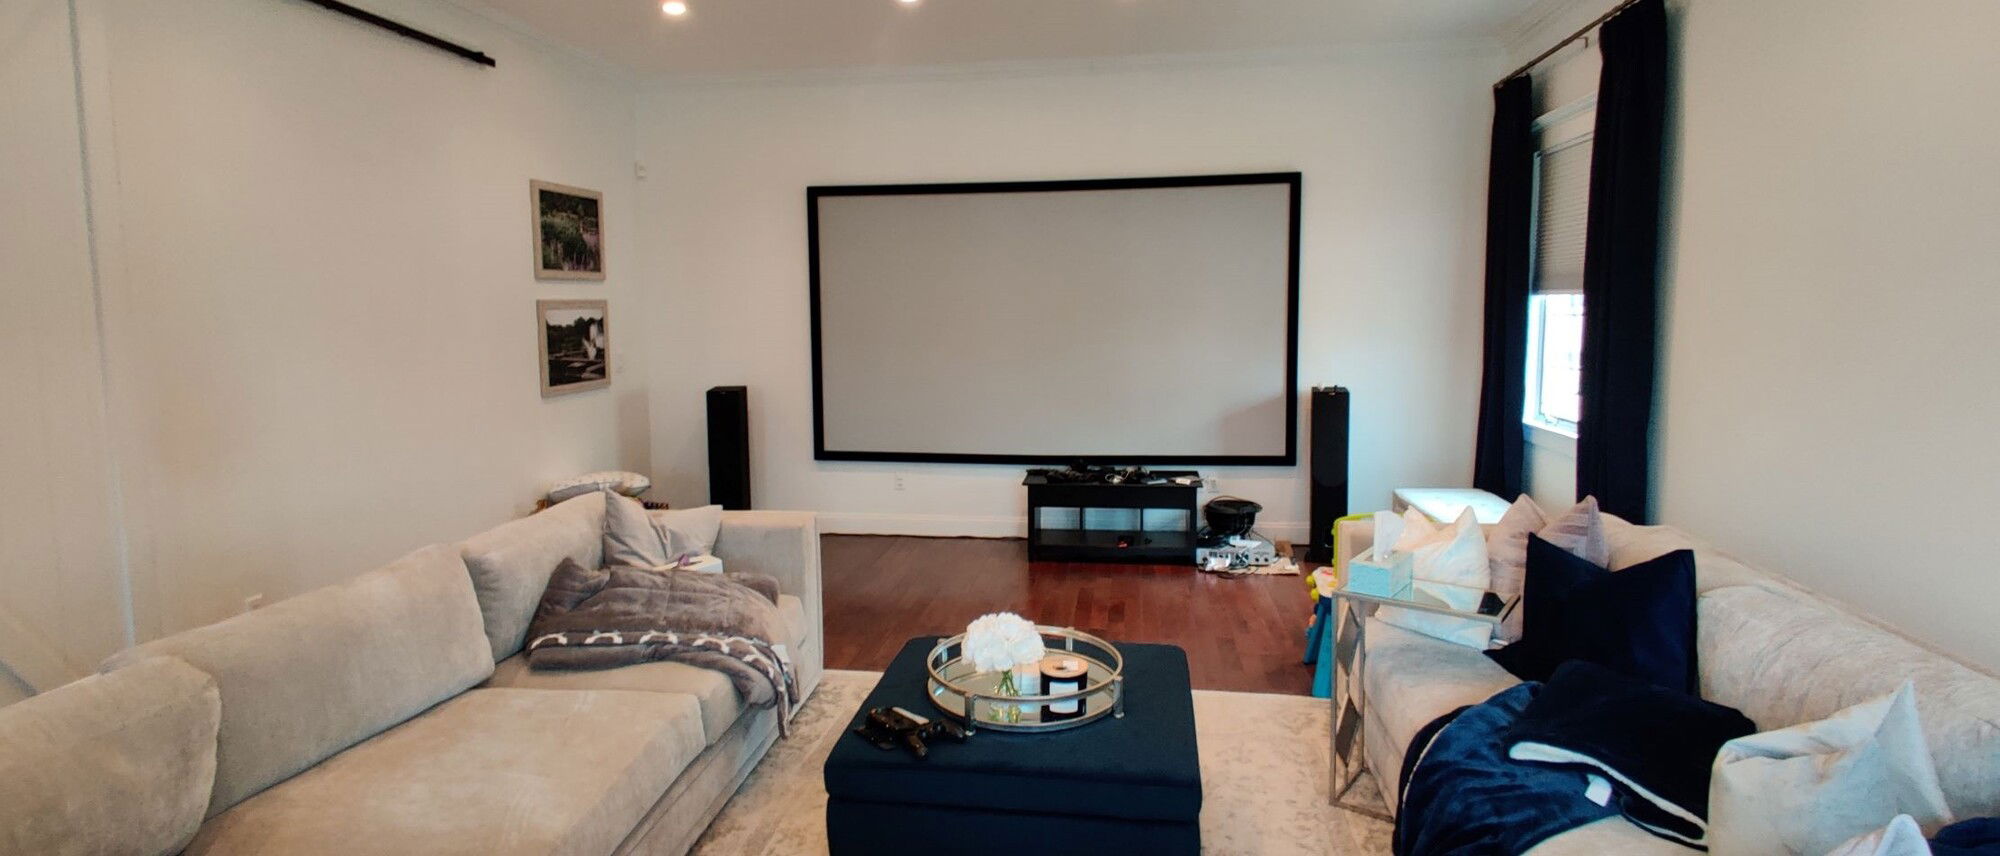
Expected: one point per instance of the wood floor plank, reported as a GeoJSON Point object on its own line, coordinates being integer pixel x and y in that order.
{"type": "Point", "coordinates": [1240, 633]}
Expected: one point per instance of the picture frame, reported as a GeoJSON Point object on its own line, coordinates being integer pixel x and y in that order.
{"type": "Point", "coordinates": [568, 231]}
{"type": "Point", "coordinates": [573, 345]}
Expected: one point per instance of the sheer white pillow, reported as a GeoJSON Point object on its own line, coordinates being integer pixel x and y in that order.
{"type": "Point", "coordinates": [1450, 567]}
{"type": "Point", "coordinates": [1811, 787]}
{"type": "Point", "coordinates": [1580, 531]}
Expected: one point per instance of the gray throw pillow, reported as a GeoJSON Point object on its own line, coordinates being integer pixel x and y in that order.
{"type": "Point", "coordinates": [630, 539]}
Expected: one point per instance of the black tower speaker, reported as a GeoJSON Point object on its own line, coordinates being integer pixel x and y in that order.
{"type": "Point", "coordinates": [729, 447]}
{"type": "Point", "coordinates": [1329, 468]}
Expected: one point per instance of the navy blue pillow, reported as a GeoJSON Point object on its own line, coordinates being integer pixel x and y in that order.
{"type": "Point", "coordinates": [1639, 621]}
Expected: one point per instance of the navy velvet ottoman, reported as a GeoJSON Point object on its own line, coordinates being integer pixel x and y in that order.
{"type": "Point", "coordinates": [1129, 784]}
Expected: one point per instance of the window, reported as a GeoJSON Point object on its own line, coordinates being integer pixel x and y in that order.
{"type": "Point", "coordinates": [1555, 362]}
{"type": "Point", "coordinates": [1555, 311]}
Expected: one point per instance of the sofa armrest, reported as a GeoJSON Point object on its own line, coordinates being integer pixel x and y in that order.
{"type": "Point", "coordinates": [780, 544]}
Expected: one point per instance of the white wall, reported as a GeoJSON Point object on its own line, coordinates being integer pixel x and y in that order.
{"type": "Point", "coordinates": [1392, 144]}
{"type": "Point", "coordinates": [317, 297]}
{"type": "Point", "coordinates": [1830, 394]}
{"type": "Point", "coordinates": [324, 328]}
{"type": "Point", "coordinates": [1828, 400]}
{"type": "Point", "coordinates": [59, 557]}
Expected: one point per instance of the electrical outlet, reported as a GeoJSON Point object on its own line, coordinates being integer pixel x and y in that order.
{"type": "Point", "coordinates": [899, 481]}
{"type": "Point", "coordinates": [255, 601]}
{"type": "Point", "coordinates": [1211, 484]}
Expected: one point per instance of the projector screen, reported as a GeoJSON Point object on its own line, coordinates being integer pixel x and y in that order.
{"type": "Point", "coordinates": [1116, 321]}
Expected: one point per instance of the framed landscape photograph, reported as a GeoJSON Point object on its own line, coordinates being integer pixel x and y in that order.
{"type": "Point", "coordinates": [569, 231]}
{"type": "Point", "coordinates": [575, 345]}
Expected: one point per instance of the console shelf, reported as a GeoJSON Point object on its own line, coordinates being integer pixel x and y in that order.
{"type": "Point", "coordinates": [1140, 503]}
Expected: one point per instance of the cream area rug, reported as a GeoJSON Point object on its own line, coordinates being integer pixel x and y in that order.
{"type": "Point", "coordinates": [1263, 777]}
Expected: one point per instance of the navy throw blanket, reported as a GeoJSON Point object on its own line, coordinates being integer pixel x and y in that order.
{"type": "Point", "coordinates": [1979, 836]}
{"type": "Point", "coordinates": [1463, 796]}
{"type": "Point", "coordinates": [1655, 746]}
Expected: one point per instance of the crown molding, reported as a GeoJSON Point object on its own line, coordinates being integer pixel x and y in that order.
{"type": "Point", "coordinates": [559, 50]}
{"type": "Point", "coordinates": [1007, 69]}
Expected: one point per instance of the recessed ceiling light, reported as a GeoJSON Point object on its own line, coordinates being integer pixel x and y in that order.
{"type": "Point", "coordinates": [674, 8]}
{"type": "Point", "coordinates": [909, 2]}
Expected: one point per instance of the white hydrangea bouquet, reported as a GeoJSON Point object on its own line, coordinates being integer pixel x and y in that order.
{"type": "Point", "coordinates": [1009, 644]}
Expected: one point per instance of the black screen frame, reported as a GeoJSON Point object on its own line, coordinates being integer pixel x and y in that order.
{"type": "Point", "coordinates": [1293, 180]}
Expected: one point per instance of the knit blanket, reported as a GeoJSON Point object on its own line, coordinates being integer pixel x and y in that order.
{"type": "Point", "coordinates": [601, 619]}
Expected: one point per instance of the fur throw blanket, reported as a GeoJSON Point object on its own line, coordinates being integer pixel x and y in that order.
{"type": "Point", "coordinates": [600, 619]}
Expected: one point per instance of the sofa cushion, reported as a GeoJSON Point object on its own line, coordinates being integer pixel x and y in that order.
{"type": "Point", "coordinates": [115, 763]}
{"type": "Point", "coordinates": [493, 772]}
{"type": "Point", "coordinates": [1632, 544]}
{"type": "Point", "coordinates": [1410, 679]}
{"type": "Point", "coordinates": [720, 703]}
{"type": "Point", "coordinates": [511, 563]}
{"type": "Point", "coordinates": [311, 675]}
{"type": "Point", "coordinates": [1784, 658]}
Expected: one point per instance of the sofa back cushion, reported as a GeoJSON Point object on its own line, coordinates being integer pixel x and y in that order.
{"type": "Point", "coordinates": [116, 763]}
{"type": "Point", "coordinates": [511, 563]}
{"type": "Point", "coordinates": [1785, 658]}
{"type": "Point", "coordinates": [309, 676]}
{"type": "Point", "coordinates": [1632, 544]}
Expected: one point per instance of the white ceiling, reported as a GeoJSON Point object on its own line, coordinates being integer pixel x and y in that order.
{"type": "Point", "coordinates": [726, 37]}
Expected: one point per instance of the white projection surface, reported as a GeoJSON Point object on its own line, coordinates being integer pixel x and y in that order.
{"type": "Point", "coordinates": [1107, 321]}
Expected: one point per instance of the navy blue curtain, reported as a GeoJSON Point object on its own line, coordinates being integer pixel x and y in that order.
{"type": "Point", "coordinates": [1510, 188]}
{"type": "Point", "coordinates": [1621, 264]}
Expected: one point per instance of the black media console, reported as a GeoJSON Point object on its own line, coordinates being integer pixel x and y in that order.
{"type": "Point", "coordinates": [1110, 520]}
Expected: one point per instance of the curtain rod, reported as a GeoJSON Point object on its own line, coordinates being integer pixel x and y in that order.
{"type": "Point", "coordinates": [1524, 69]}
{"type": "Point", "coordinates": [404, 30]}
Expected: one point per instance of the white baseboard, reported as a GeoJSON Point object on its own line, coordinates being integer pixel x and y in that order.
{"type": "Point", "coordinates": [975, 526]}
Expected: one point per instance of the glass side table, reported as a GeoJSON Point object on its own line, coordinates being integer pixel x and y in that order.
{"type": "Point", "coordinates": [1352, 610]}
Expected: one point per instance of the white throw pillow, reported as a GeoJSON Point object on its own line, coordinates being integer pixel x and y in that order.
{"type": "Point", "coordinates": [1417, 530]}
{"type": "Point", "coordinates": [689, 530]}
{"type": "Point", "coordinates": [1450, 567]}
{"type": "Point", "coordinates": [1901, 837]}
{"type": "Point", "coordinates": [1388, 531]}
{"type": "Point", "coordinates": [1809, 788]}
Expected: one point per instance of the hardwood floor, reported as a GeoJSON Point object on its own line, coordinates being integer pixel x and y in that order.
{"type": "Point", "coordinates": [1240, 633]}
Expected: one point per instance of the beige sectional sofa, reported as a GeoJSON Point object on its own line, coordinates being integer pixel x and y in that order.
{"type": "Point", "coordinates": [1767, 647]}
{"type": "Point", "coordinates": [394, 714]}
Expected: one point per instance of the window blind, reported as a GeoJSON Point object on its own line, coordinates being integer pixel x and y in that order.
{"type": "Point", "coordinates": [1562, 213]}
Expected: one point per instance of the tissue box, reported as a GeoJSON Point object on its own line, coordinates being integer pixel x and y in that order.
{"type": "Point", "coordinates": [1380, 576]}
